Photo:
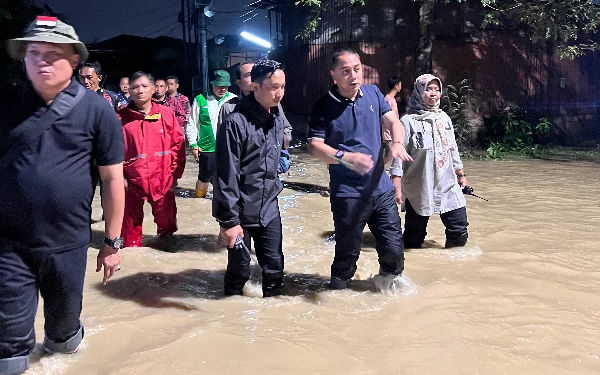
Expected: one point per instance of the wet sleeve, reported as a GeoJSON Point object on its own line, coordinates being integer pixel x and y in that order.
{"type": "Point", "coordinates": [226, 191]}
{"type": "Point", "coordinates": [180, 113]}
{"type": "Point", "coordinates": [225, 111]}
{"type": "Point", "coordinates": [115, 98]}
{"type": "Point", "coordinates": [396, 168]}
{"type": "Point", "coordinates": [109, 142]}
{"type": "Point", "coordinates": [191, 127]}
{"type": "Point", "coordinates": [186, 107]}
{"type": "Point", "coordinates": [317, 126]}
{"type": "Point", "coordinates": [456, 161]}
{"type": "Point", "coordinates": [284, 162]}
{"type": "Point", "coordinates": [177, 148]}
{"type": "Point", "coordinates": [287, 129]}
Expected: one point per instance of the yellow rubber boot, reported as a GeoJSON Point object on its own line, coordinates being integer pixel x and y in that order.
{"type": "Point", "coordinates": [201, 193]}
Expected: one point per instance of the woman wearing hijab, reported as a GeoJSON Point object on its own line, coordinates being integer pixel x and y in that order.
{"type": "Point", "coordinates": [433, 182]}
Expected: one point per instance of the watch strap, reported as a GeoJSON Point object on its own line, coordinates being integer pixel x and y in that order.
{"type": "Point", "coordinates": [116, 243]}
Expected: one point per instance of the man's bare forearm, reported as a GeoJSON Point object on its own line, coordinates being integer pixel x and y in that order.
{"type": "Point", "coordinates": [113, 199]}
{"type": "Point", "coordinates": [318, 149]}
{"type": "Point", "coordinates": [392, 122]}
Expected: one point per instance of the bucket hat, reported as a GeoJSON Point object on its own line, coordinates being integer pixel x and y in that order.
{"type": "Point", "coordinates": [48, 30]}
{"type": "Point", "coordinates": [221, 78]}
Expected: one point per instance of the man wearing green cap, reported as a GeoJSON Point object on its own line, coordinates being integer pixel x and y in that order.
{"type": "Point", "coordinates": [46, 151]}
{"type": "Point", "coordinates": [201, 128]}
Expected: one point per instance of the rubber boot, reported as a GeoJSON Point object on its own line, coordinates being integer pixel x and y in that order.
{"type": "Point", "coordinates": [201, 193]}
{"type": "Point", "coordinates": [338, 284]}
{"type": "Point", "coordinates": [457, 242]}
{"type": "Point", "coordinates": [408, 244]}
{"type": "Point", "coordinates": [233, 291]}
{"type": "Point", "coordinates": [272, 288]}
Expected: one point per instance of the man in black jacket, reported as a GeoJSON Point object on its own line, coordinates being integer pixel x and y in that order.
{"type": "Point", "coordinates": [249, 143]}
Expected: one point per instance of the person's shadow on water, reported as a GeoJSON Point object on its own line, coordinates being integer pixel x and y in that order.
{"type": "Point", "coordinates": [177, 243]}
{"type": "Point", "coordinates": [367, 245]}
{"type": "Point", "coordinates": [173, 290]}
{"type": "Point", "coordinates": [303, 187]}
{"type": "Point", "coordinates": [160, 289]}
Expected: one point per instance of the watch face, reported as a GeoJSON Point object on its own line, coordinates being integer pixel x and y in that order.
{"type": "Point", "coordinates": [118, 244]}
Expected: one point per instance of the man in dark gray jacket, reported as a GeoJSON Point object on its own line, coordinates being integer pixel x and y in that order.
{"type": "Point", "coordinates": [249, 144]}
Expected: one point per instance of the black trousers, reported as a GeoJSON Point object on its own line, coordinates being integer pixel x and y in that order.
{"type": "Point", "coordinates": [350, 215]}
{"type": "Point", "coordinates": [415, 226]}
{"type": "Point", "coordinates": [267, 244]}
{"type": "Point", "coordinates": [58, 277]}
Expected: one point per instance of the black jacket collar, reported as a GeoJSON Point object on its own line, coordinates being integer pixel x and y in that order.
{"type": "Point", "coordinates": [254, 112]}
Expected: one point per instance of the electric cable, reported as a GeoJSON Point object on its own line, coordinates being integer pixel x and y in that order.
{"type": "Point", "coordinates": [118, 14]}
{"type": "Point", "coordinates": [162, 28]}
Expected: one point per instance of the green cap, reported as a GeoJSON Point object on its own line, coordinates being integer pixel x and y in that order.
{"type": "Point", "coordinates": [49, 30]}
{"type": "Point", "coordinates": [221, 78]}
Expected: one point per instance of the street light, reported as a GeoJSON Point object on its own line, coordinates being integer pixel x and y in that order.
{"type": "Point", "coordinates": [255, 39]}
{"type": "Point", "coordinates": [209, 11]}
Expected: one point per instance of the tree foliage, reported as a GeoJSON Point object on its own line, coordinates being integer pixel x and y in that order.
{"type": "Point", "coordinates": [570, 24]}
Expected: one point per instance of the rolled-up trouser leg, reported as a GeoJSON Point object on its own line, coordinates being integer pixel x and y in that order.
{"type": "Point", "coordinates": [238, 268]}
{"type": "Point", "coordinates": [349, 218]}
{"type": "Point", "coordinates": [415, 227]}
{"type": "Point", "coordinates": [61, 287]}
{"type": "Point", "coordinates": [385, 225]}
{"type": "Point", "coordinates": [456, 224]}
{"type": "Point", "coordinates": [267, 243]}
{"type": "Point", "coordinates": [18, 306]}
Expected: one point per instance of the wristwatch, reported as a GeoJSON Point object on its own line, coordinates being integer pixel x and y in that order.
{"type": "Point", "coordinates": [116, 243]}
{"type": "Point", "coordinates": [339, 154]}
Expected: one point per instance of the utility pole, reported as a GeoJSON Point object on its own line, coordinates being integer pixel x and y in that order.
{"type": "Point", "coordinates": [198, 53]}
{"type": "Point", "coordinates": [202, 47]}
{"type": "Point", "coordinates": [183, 23]}
{"type": "Point", "coordinates": [204, 52]}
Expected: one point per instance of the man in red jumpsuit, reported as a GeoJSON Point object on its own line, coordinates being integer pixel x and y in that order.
{"type": "Point", "coordinates": [154, 160]}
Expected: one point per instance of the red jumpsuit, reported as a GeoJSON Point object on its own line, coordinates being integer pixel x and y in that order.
{"type": "Point", "coordinates": [154, 159]}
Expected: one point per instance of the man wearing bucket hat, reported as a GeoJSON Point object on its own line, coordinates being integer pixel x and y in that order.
{"type": "Point", "coordinates": [46, 153]}
{"type": "Point", "coordinates": [201, 128]}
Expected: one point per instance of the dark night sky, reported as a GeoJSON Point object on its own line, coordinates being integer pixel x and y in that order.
{"type": "Point", "coordinates": [97, 20]}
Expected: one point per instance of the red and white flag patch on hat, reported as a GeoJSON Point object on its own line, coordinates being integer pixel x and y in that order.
{"type": "Point", "coordinates": [46, 21]}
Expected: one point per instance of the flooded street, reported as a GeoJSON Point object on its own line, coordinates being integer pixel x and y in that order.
{"type": "Point", "coordinates": [521, 298]}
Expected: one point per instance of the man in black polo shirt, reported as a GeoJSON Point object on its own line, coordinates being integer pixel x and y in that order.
{"type": "Point", "coordinates": [47, 151]}
{"type": "Point", "coordinates": [345, 131]}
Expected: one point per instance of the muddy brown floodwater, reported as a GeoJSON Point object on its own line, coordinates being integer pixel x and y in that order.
{"type": "Point", "coordinates": [521, 298]}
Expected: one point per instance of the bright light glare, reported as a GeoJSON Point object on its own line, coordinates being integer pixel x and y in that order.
{"type": "Point", "coordinates": [254, 39]}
